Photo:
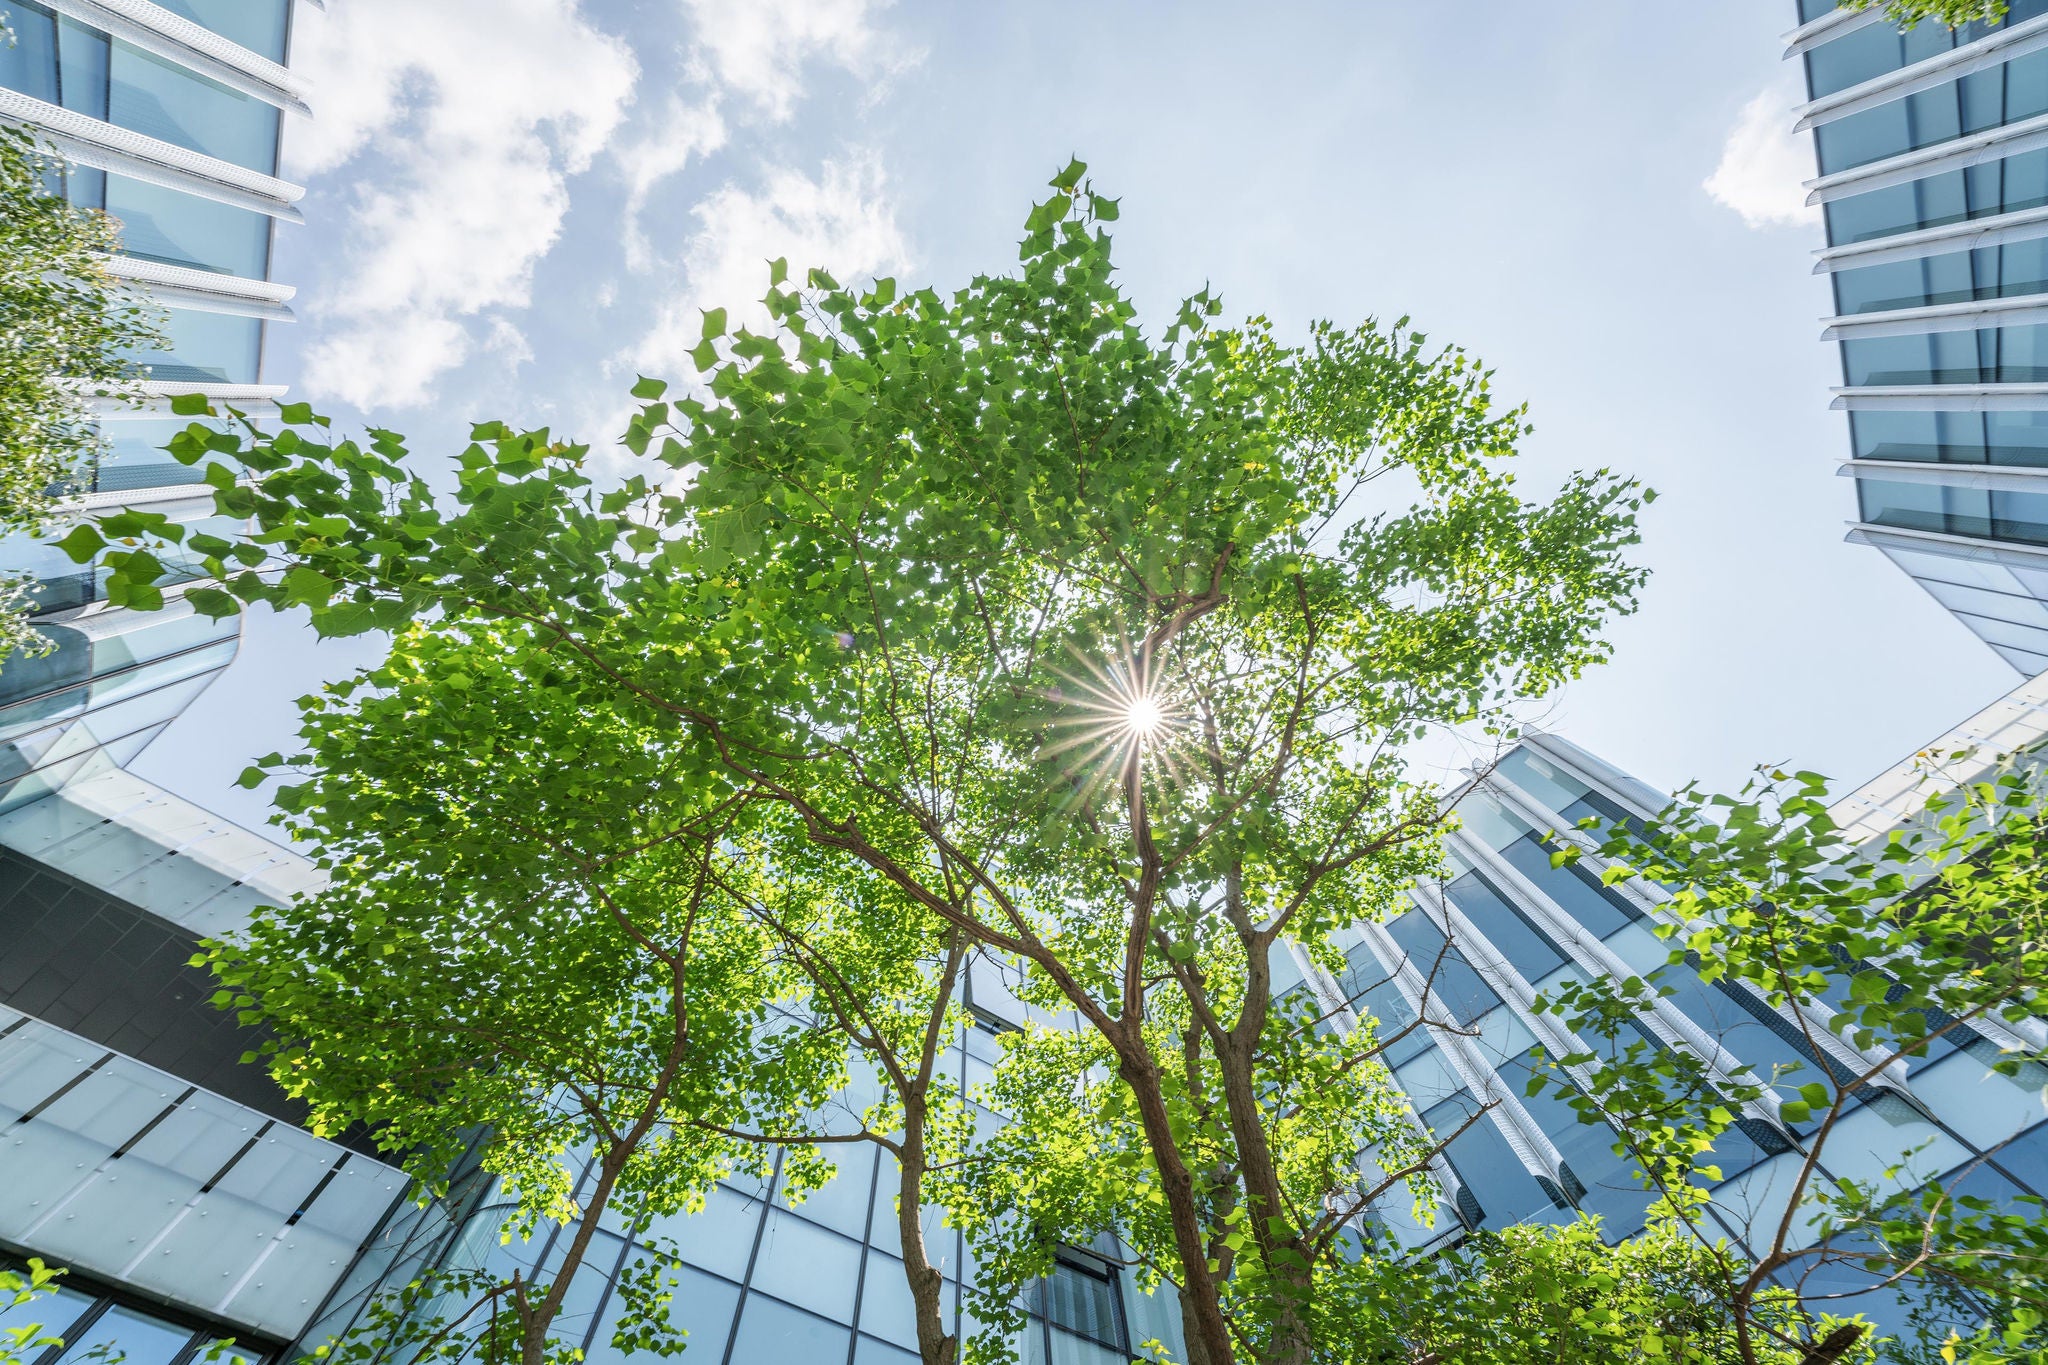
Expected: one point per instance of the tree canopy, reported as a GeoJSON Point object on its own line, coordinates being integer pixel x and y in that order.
{"type": "Point", "coordinates": [1097, 651]}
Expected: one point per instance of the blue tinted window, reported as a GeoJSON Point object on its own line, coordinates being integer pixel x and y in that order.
{"type": "Point", "coordinates": [2026, 1158]}
{"type": "Point", "coordinates": [1522, 943]}
{"type": "Point", "coordinates": [133, 1337]}
{"type": "Point", "coordinates": [1505, 1189]}
{"type": "Point", "coordinates": [1608, 1186]}
{"type": "Point", "coordinates": [30, 63]}
{"type": "Point", "coordinates": [1571, 888]}
{"type": "Point", "coordinates": [216, 348]}
{"type": "Point", "coordinates": [135, 456]}
{"type": "Point", "coordinates": [1950, 437]}
{"type": "Point", "coordinates": [774, 1331]}
{"type": "Point", "coordinates": [1457, 990]}
{"type": "Point", "coordinates": [1855, 57]}
{"type": "Point", "coordinates": [1083, 1301]}
{"type": "Point", "coordinates": [1999, 514]}
{"type": "Point", "coordinates": [1889, 129]}
{"type": "Point", "coordinates": [1934, 358]}
{"type": "Point", "coordinates": [258, 25]}
{"type": "Point", "coordinates": [82, 68]}
{"type": "Point", "coordinates": [2017, 182]}
{"type": "Point", "coordinates": [1952, 278]}
{"type": "Point", "coordinates": [2016, 437]}
{"type": "Point", "coordinates": [1732, 1019]}
{"type": "Point", "coordinates": [163, 100]}
{"type": "Point", "coordinates": [159, 224]}
{"type": "Point", "coordinates": [1373, 994]}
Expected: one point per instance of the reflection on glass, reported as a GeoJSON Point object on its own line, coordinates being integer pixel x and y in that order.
{"type": "Point", "coordinates": [217, 348]}
{"type": "Point", "coordinates": [159, 224]}
{"type": "Point", "coordinates": [258, 25]}
{"type": "Point", "coordinates": [160, 99]}
{"type": "Point", "coordinates": [139, 1338]}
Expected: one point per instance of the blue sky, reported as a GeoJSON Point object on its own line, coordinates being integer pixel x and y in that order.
{"type": "Point", "coordinates": [514, 205]}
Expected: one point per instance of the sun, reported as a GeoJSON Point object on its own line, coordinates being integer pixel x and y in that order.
{"type": "Point", "coordinates": [1121, 718]}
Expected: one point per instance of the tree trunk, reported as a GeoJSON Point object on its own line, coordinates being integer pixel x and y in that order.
{"type": "Point", "coordinates": [1201, 1307]}
{"type": "Point", "coordinates": [533, 1334]}
{"type": "Point", "coordinates": [1292, 1341]}
{"type": "Point", "coordinates": [935, 1345]}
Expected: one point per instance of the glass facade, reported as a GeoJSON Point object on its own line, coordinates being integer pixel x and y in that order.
{"type": "Point", "coordinates": [59, 60]}
{"type": "Point", "coordinates": [1990, 414]}
{"type": "Point", "coordinates": [1993, 272]}
{"type": "Point", "coordinates": [92, 1322]}
{"type": "Point", "coordinates": [172, 1180]}
{"type": "Point", "coordinates": [780, 1283]}
{"type": "Point", "coordinates": [1523, 927]}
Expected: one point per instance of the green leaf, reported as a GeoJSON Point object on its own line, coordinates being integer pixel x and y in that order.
{"type": "Point", "coordinates": [649, 388]}
{"type": "Point", "coordinates": [191, 405]}
{"type": "Point", "coordinates": [1071, 176]}
{"type": "Point", "coordinates": [82, 543]}
{"type": "Point", "coordinates": [212, 602]}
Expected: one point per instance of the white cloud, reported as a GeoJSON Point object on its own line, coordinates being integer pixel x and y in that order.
{"type": "Point", "coordinates": [682, 132]}
{"type": "Point", "coordinates": [483, 110]}
{"type": "Point", "coordinates": [1764, 161]}
{"type": "Point", "coordinates": [757, 49]}
{"type": "Point", "coordinates": [747, 61]}
{"type": "Point", "coordinates": [841, 220]}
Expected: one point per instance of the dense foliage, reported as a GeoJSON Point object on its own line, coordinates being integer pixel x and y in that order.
{"type": "Point", "coordinates": [931, 625]}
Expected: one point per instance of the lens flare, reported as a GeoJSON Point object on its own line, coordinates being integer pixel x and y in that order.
{"type": "Point", "coordinates": [1120, 720]}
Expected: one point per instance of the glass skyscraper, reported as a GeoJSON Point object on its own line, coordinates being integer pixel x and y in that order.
{"type": "Point", "coordinates": [175, 1183]}
{"type": "Point", "coordinates": [1932, 151]}
{"type": "Point", "coordinates": [170, 117]}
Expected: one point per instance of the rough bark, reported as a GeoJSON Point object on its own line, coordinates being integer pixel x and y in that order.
{"type": "Point", "coordinates": [1201, 1306]}
{"type": "Point", "coordinates": [935, 1345]}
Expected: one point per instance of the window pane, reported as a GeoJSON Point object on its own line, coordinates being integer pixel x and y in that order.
{"type": "Point", "coordinates": [1083, 1301]}
{"type": "Point", "coordinates": [258, 25]}
{"type": "Point", "coordinates": [216, 348]}
{"type": "Point", "coordinates": [807, 1266]}
{"type": "Point", "coordinates": [775, 1331]}
{"type": "Point", "coordinates": [138, 1338]}
{"type": "Point", "coordinates": [1456, 990]}
{"type": "Point", "coordinates": [163, 100]}
{"type": "Point", "coordinates": [30, 64]}
{"type": "Point", "coordinates": [701, 1306]}
{"type": "Point", "coordinates": [1525, 947]}
{"type": "Point", "coordinates": [159, 224]}
{"type": "Point", "coordinates": [1493, 1175]}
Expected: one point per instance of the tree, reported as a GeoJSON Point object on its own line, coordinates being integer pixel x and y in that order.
{"type": "Point", "coordinates": [65, 329]}
{"type": "Point", "coordinates": [1880, 960]}
{"type": "Point", "coordinates": [471, 805]}
{"type": "Point", "coordinates": [1101, 649]}
{"type": "Point", "coordinates": [530, 929]}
